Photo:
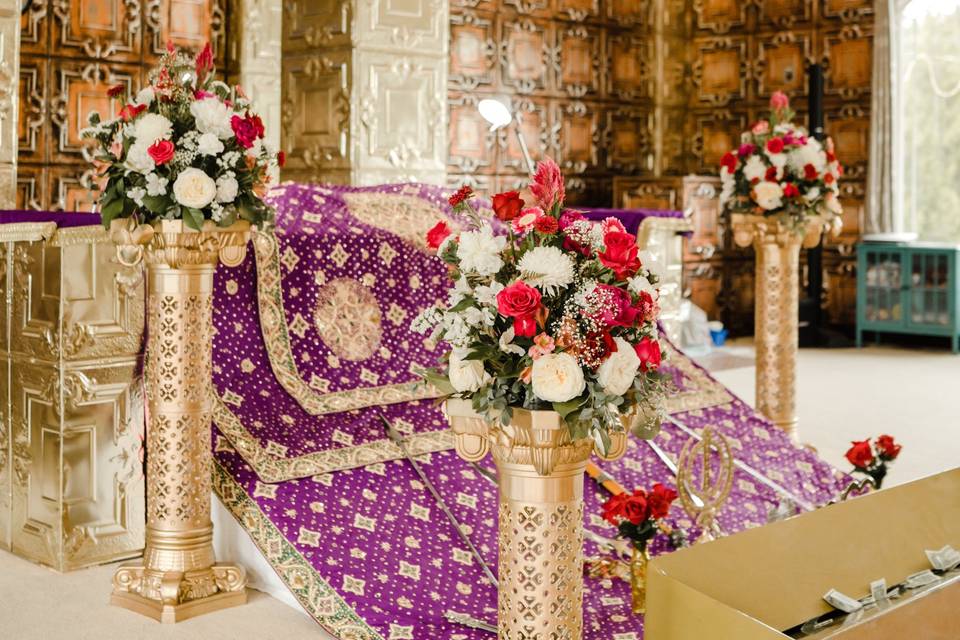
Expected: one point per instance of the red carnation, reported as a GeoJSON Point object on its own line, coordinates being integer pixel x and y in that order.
{"type": "Point", "coordinates": [462, 195]}
{"type": "Point", "coordinates": [116, 90]}
{"type": "Point", "coordinates": [790, 190]}
{"type": "Point", "coordinates": [204, 63]}
{"type": "Point", "coordinates": [281, 158]}
{"type": "Point", "coordinates": [648, 350]}
{"type": "Point", "coordinates": [620, 254]}
{"type": "Point", "coordinates": [889, 450]}
{"type": "Point", "coordinates": [636, 508]}
{"type": "Point", "coordinates": [246, 129]}
{"type": "Point", "coordinates": [507, 205]}
{"type": "Point", "coordinates": [546, 225]}
{"type": "Point", "coordinates": [771, 174]}
{"type": "Point", "coordinates": [131, 111]}
{"type": "Point", "coordinates": [860, 454]}
{"type": "Point", "coordinates": [437, 235]}
{"type": "Point", "coordinates": [729, 161]}
{"type": "Point", "coordinates": [809, 172]}
{"type": "Point", "coordinates": [775, 145]}
{"type": "Point", "coordinates": [659, 499]}
{"type": "Point", "coordinates": [161, 151]}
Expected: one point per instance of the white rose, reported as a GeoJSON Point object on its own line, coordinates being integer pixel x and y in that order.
{"type": "Point", "coordinates": [209, 145]}
{"type": "Point", "coordinates": [212, 116]}
{"type": "Point", "coordinates": [227, 188]}
{"type": "Point", "coordinates": [479, 251]}
{"type": "Point", "coordinates": [557, 377]}
{"type": "Point", "coordinates": [754, 169]}
{"type": "Point", "coordinates": [193, 188]}
{"type": "Point", "coordinates": [138, 159]}
{"type": "Point", "coordinates": [144, 96]}
{"type": "Point", "coordinates": [466, 375]}
{"type": "Point", "coordinates": [768, 195]}
{"type": "Point", "coordinates": [617, 373]}
{"type": "Point", "coordinates": [151, 127]}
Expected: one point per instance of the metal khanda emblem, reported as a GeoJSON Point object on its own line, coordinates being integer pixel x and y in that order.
{"type": "Point", "coordinates": [704, 479]}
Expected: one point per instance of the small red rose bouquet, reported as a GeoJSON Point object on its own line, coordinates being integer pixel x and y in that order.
{"type": "Point", "coordinates": [872, 458]}
{"type": "Point", "coordinates": [638, 516]}
{"type": "Point", "coordinates": [781, 170]}
{"type": "Point", "coordinates": [556, 312]}
{"type": "Point", "coordinates": [187, 146]}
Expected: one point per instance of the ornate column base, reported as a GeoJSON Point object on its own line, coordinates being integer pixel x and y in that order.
{"type": "Point", "coordinates": [176, 596]}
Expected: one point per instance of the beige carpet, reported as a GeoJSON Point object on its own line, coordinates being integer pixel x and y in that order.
{"type": "Point", "coordinates": [849, 394]}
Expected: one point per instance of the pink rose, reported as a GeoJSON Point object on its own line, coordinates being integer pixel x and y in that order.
{"type": "Point", "coordinates": [616, 308]}
{"type": "Point", "coordinates": [761, 127]}
{"type": "Point", "coordinates": [779, 101]}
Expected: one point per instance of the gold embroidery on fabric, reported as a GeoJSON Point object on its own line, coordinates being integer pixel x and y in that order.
{"type": "Point", "coordinates": [271, 467]}
{"type": "Point", "coordinates": [273, 324]}
{"type": "Point", "coordinates": [705, 391]}
{"type": "Point", "coordinates": [348, 319]}
{"type": "Point", "coordinates": [315, 595]}
{"type": "Point", "coordinates": [406, 216]}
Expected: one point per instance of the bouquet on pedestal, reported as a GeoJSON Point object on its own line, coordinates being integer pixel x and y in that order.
{"type": "Point", "coordinates": [781, 170]}
{"type": "Point", "coordinates": [871, 458]}
{"type": "Point", "coordinates": [186, 146]}
{"type": "Point", "coordinates": [556, 313]}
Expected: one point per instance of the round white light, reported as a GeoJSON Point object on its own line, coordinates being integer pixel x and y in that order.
{"type": "Point", "coordinates": [495, 112]}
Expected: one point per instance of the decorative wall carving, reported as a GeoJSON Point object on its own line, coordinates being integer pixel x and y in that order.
{"type": "Point", "coordinates": [9, 131]}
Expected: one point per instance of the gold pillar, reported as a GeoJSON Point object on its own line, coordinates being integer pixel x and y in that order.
{"type": "Point", "coordinates": [776, 309]}
{"type": "Point", "coordinates": [540, 540]}
{"type": "Point", "coordinates": [179, 578]}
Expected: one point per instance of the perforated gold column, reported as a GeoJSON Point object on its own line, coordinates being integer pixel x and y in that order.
{"type": "Point", "coordinates": [540, 566]}
{"type": "Point", "coordinates": [179, 578]}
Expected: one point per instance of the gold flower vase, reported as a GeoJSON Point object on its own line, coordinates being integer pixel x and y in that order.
{"type": "Point", "coordinates": [179, 578]}
{"type": "Point", "coordinates": [540, 540]}
{"type": "Point", "coordinates": [776, 305]}
{"type": "Point", "coordinates": [638, 579]}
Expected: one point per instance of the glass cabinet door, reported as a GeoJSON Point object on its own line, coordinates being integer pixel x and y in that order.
{"type": "Point", "coordinates": [929, 301]}
{"type": "Point", "coordinates": [884, 282]}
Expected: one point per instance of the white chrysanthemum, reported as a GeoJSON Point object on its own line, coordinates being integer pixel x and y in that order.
{"type": "Point", "coordinates": [479, 251]}
{"type": "Point", "coordinates": [212, 116]}
{"type": "Point", "coordinates": [139, 160]}
{"type": "Point", "coordinates": [151, 127]}
{"type": "Point", "coordinates": [769, 195]}
{"type": "Point", "coordinates": [810, 153]}
{"type": "Point", "coordinates": [754, 169]}
{"type": "Point", "coordinates": [209, 144]}
{"type": "Point", "coordinates": [547, 268]}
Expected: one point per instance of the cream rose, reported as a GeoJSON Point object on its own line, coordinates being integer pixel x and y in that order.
{"type": "Point", "coordinates": [617, 373]}
{"type": "Point", "coordinates": [557, 377]}
{"type": "Point", "coordinates": [195, 189]}
{"type": "Point", "coordinates": [768, 195]}
{"type": "Point", "coordinates": [466, 375]}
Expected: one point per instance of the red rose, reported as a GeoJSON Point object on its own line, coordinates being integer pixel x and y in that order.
{"type": "Point", "coordinates": [519, 300]}
{"type": "Point", "coordinates": [247, 129]}
{"type": "Point", "coordinates": [620, 254]}
{"type": "Point", "coordinates": [809, 172]}
{"type": "Point", "coordinates": [437, 235]}
{"type": "Point", "coordinates": [613, 508]}
{"type": "Point", "coordinates": [635, 509]}
{"type": "Point", "coordinates": [462, 195]}
{"type": "Point", "coordinates": [648, 350]}
{"type": "Point", "coordinates": [889, 450]}
{"type": "Point", "coordinates": [775, 145]}
{"type": "Point", "coordinates": [729, 161]}
{"type": "Point", "coordinates": [116, 90]}
{"type": "Point", "coordinates": [131, 111]}
{"type": "Point", "coordinates": [281, 158]}
{"type": "Point", "coordinates": [161, 151]}
{"type": "Point", "coordinates": [507, 205]}
{"type": "Point", "coordinates": [647, 308]}
{"type": "Point", "coordinates": [771, 174]}
{"type": "Point", "coordinates": [546, 225]}
{"type": "Point", "coordinates": [831, 156]}
{"type": "Point", "coordinates": [790, 190]}
{"type": "Point", "coordinates": [204, 63]}
{"type": "Point", "coordinates": [828, 178]}
{"type": "Point", "coordinates": [659, 499]}
{"type": "Point", "coordinates": [860, 454]}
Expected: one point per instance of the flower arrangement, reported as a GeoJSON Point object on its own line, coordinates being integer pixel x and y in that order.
{"type": "Point", "coordinates": [781, 170]}
{"type": "Point", "coordinates": [549, 312]}
{"type": "Point", "coordinates": [871, 458]}
{"type": "Point", "coordinates": [186, 146]}
{"type": "Point", "coordinates": [639, 516]}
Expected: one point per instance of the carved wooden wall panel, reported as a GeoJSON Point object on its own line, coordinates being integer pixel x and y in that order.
{"type": "Point", "coordinates": [71, 52]}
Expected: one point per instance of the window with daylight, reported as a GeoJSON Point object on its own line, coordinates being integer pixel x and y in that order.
{"type": "Point", "coordinates": [927, 120]}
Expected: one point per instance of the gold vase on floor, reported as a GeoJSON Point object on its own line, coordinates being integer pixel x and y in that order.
{"type": "Point", "coordinates": [638, 579]}
{"type": "Point", "coordinates": [179, 578]}
{"type": "Point", "coordinates": [540, 539]}
{"type": "Point", "coordinates": [776, 306]}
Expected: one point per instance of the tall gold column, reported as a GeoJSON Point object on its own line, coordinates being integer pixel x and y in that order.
{"type": "Point", "coordinates": [179, 578]}
{"type": "Point", "coordinates": [776, 309]}
{"type": "Point", "coordinates": [540, 540]}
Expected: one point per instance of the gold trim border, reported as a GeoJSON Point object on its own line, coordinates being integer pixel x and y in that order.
{"type": "Point", "coordinates": [708, 392]}
{"type": "Point", "coordinates": [273, 325]}
{"type": "Point", "coordinates": [314, 594]}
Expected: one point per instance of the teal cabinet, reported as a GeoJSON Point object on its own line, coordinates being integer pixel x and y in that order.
{"type": "Point", "coordinates": [908, 288]}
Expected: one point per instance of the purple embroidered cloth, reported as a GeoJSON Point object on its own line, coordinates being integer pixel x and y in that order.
{"type": "Point", "coordinates": [631, 218]}
{"type": "Point", "coordinates": [62, 218]}
{"type": "Point", "coordinates": [304, 367]}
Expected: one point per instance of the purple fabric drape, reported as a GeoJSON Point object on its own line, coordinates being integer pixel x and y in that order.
{"type": "Point", "coordinates": [62, 218]}
{"type": "Point", "coordinates": [631, 218]}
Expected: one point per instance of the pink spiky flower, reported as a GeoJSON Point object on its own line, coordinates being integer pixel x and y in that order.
{"type": "Point", "coordinates": [547, 186]}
